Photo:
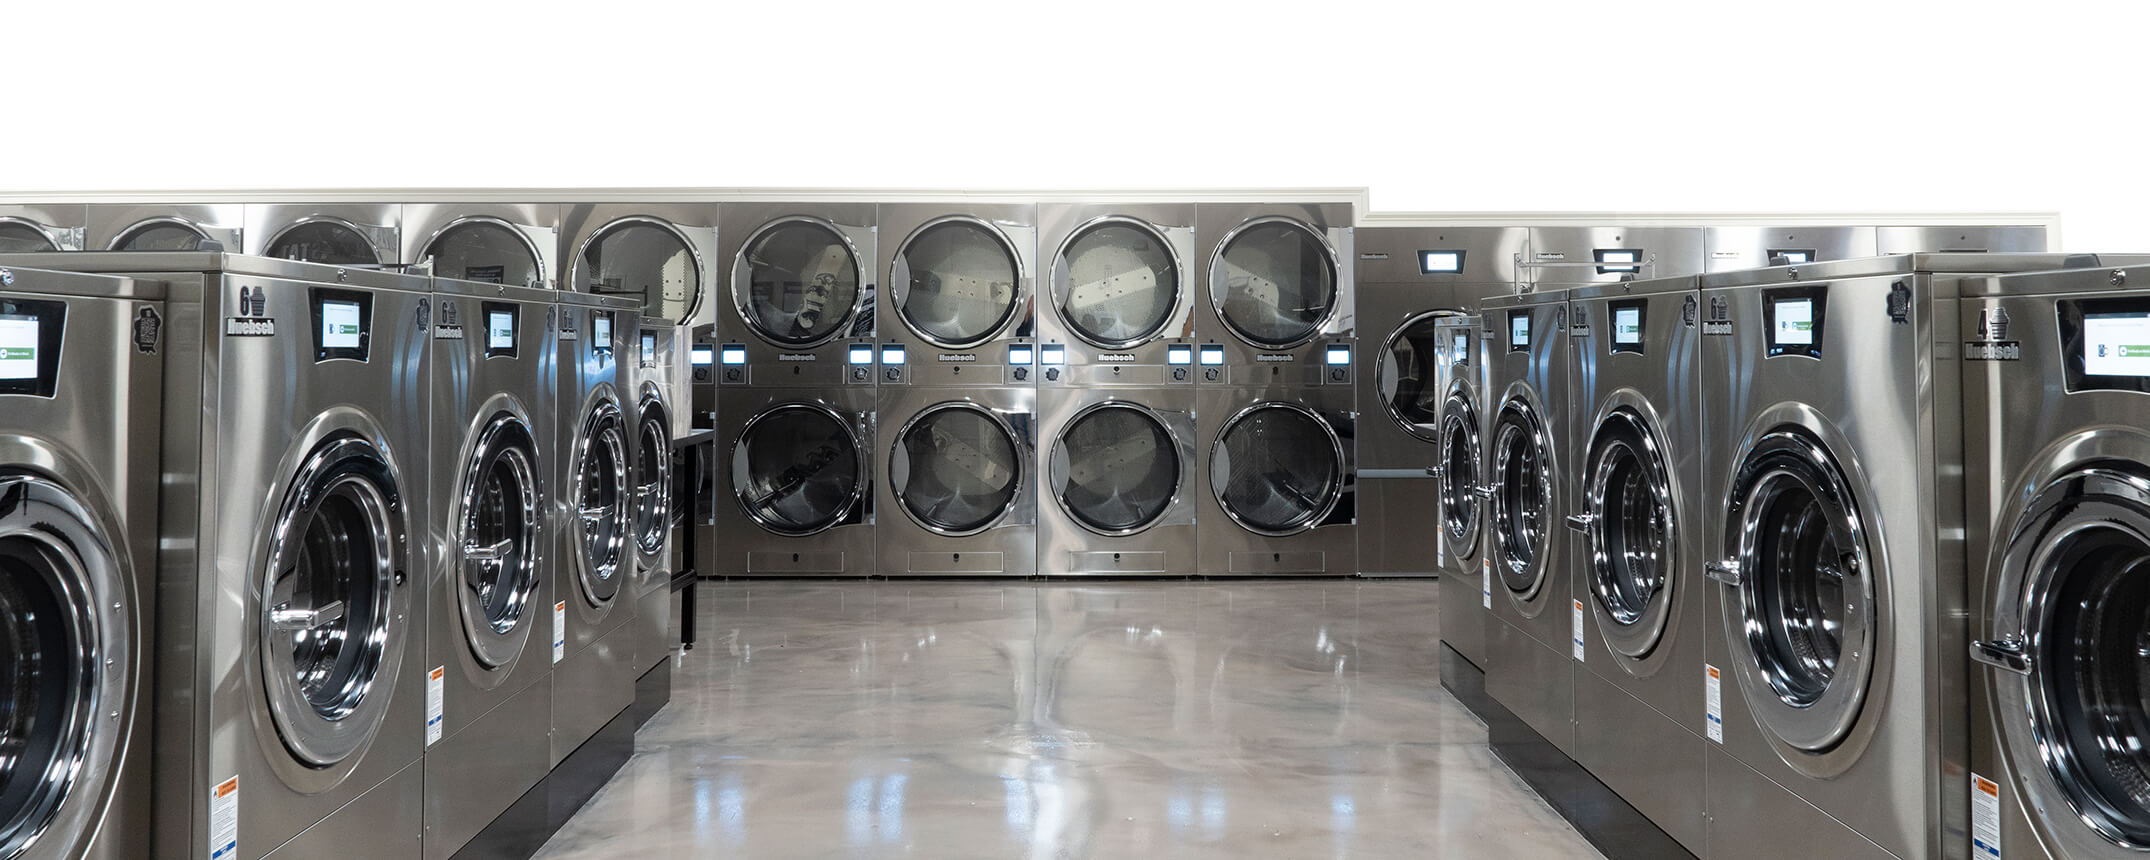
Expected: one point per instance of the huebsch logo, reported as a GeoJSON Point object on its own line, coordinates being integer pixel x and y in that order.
{"type": "Point", "coordinates": [959, 356]}
{"type": "Point", "coordinates": [2000, 350]}
{"type": "Point", "coordinates": [797, 356]}
{"type": "Point", "coordinates": [1115, 356]}
{"type": "Point", "coordinates": [253, 319]}
{"type": "Point", "coordinates": [1272, 357]}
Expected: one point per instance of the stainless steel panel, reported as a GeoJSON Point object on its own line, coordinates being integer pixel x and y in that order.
{"type": "Point", "coordinates": [1328, 545]}
{"type": "Point", "coordinates": [1914, 240]}
{"type": "Point", "coordinates": [385, 820]}
{"type": "Point", "coordinates": [1732, 248]}
{"type": "Point", "coordinates": [1390, 256]}
{"type": "Point", "coordinates": [813, 542]}
{"type": "Point", "coordinates": [1120, 561]}
{"type": "Point", "coordinates": [1753, 817]}
{"type": "Point", "coordinates": [1566, 256]}
{"type": "Point", "coordinates": [1280, 562]}
{"type": "Point", "coordinates": [1531, 680]}
{"type": "Point", "coordinates": [589, 688]}
{"type": "Point", "coordinates": [1653, 761]}
{"type": "Point", "coordinates": [1533, 574]}
{"type": "Point", "coordinates": [1463, 616]}
{"type": "Point", "coordinates": [954, 562]}
{"type": "Point", "coordinates": [1400, 530]}
{"type": "Point", "coordinates": [1165, 542]}
{"type": "Point", "coordinates": [804, 561]}
{"type": "Point", "coordinates": [469, 783]}
{"type": "Point", "coordinates": [904, 545]}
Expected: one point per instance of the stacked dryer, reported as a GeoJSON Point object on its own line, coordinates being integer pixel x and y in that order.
{"type": "Point", "coordinates": [341, 234]}
{"type": "Point", "coordinates": [1275, 395]}
{"type": "Point", "coordinates": [30, 228]}
{"type": "Point", "coordinates": [957, 395]}
{"type": "Point", "coordinates": [164, 227]}
{"type": "Point", "coordinates": [795, 391]}
{"type": "Point", "coordinates": [491, 243]}
{"type": "Point", "coordinates": [1116, 392]}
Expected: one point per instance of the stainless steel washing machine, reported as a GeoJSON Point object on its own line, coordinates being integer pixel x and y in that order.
{"type": "Point", "coordinates": [1526, 494]}
{"type": "Point", "coordinates": [81, 374]}
{"type": "Point", "coordinates": [1729, 249]}
{"type": "Point", "coordinates": [1116, 395]}
{"type": "Point", "coordinates": [491, 582]}
{"type": "Point", "coordinates": [2057, 466]}
{"type": "Point", "coordinates": [493, 243]}
{"type": "Point", "coordinates": [593, 645]}
{"type": "Point", "coordinates": [342, 234]}
{"type": "Point", "coordinates": [1635, 475]}
{"type": "Point", "coordinates": [163, 226]}
{"type": "Point", "coordinates": [1833, 541]}
{"type": "Point", "coordinates": [960, 293]}
{"type": "Point", "coordinates": [291, 680]}
{"type": "Point", "coordinates": [29, 228]}
{"type": "Point", "coordinates": [1467, 590]}
{"type": "Point", "coordinates": [956, 480]}
{"type": "Point", "coordinates": [1410, 279]}
{"type": "Point", "coordinates": [796, 443]}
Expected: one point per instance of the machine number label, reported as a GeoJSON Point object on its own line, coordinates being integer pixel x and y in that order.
{"type": "Point", "coordinates": [1985, 818]}
{"type": "Point", "coordinates": [224, 820]}
{"type": "Point", "coordinates": [1713, 703]}
{"type": "Point", "coordinates": [1577, 639]}
{"type": "Point", "coordinates": [1485, 582]}
{"type": "Point", "coordinates": [559, 631]}
{"type": "Point", "coordinates": [1719, 322]}
{"type": "Point", "coordinates": [1992, 350]}
{"type": "Point", "coordinates": [436, 703]}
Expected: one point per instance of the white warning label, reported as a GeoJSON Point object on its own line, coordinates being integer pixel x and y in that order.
{"type": "Point", "coordinates": [1985, 818]}
{"type": "Point", "coordinates": [559, 631]}
{"type": "Point", "coordinates": [1577, 639]}
{"type": "Point", "coordinates": [1485, 582]}
{"type": "Point", "coordinates": [1713, 703]}
{"type": "Point", "coordinates": [224, 820]}
{"type": "Point", "coordinates": [436, 703]}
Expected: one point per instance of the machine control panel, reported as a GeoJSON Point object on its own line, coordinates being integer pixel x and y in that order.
{"type": "Point", "coordinates": [858, 364]}
{"type": "Point", "coordinates": [895, 365]}
{"type": "Point", "coordinates": [1336, 364]}
{"type": "Point", "coordinates": [733, 358]}
{"type": "Point", "coordinates": [30, 334]}
{"type": "Point", "coordinates": [1179, 363]}
{"type": "Point", "coordinates": [1446, 262]}
{"type": "Point", "coordinates": [1020, 358]}
{"type": "Point", "coordinates": [1796, 319]}
{"type": "Point", "coordinates": [342, 324]}
{"type": "Point", "coordinates": [1211, 358]}
{"type": "Point", "coordinates": [702, 361]}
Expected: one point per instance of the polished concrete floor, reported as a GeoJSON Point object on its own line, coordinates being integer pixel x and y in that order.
{"type": "Point", "coordinates": [952, 719]}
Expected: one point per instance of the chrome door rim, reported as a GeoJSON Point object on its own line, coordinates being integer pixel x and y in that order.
{"type": "Point", "coordinates": [505, 442]}
{"type": "Point", "coordinates": [743, 276]}
{"type": "Point", "coordinates": [1217, 282]}
{"type": "Point", "coordinates": [52, 241]}
{"type": "Point", "coordinates": [1015, 488]}
{"type": "Point", "coordinates": [600, 530]}
{"type": "Point", "coordinates": [899, 282]}
{"type": "Point", "coordinates": [1058, 480]}
{"type": "Point", "coordinates": [1388, 347]}
{"type": "Point", "coordinates": [1061, 288]}
{"type": "Point", "coordinates": [1523, 576]}
{"type": "Point", "coordinates": [537, 260]}
{"type": "Point", "coordinates": [1315, 513]}
{"type": "Point", "coordinates": [1626, 447]}
{"type": "Point", "coordinates": [694, 258]}
{"type": "Point", "coordinates": [268, 248]}
{"type": "Point", "coordinates": [1459, 486]}
{"type": "Point", "coordinates": [653, 496]}
{"type": "Point", "coordinates": [861, 470]}
{"type": "Point", "coordinates": [136, 229]}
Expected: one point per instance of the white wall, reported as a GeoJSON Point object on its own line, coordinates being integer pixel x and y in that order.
{"type": "Point", "coordinates": [1638, 107]}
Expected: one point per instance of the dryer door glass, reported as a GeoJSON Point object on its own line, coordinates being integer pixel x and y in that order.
{"type": "Point", "coordinates": [957, 469]}
{"type": "Point", "coordinates": [19, 238]}
{"type": "Point", "coordinates": [1459, 474]}
{"type": "Point", "coordinates": [497, 534]}
{"type": "Point", "coordinates": [801, 284]}
{"type": "Point", "coordinates": [160, 235]}
{"type": "Point", "coordinates": [957, 282]}
{"type": "Point", "coordinates": [1409, 379]}
{"type": "Point", "coordinates": [1628, 501]}
{"type": "Point", "coordinates": [601, 498]}
{"type": "Point", "coordinates": [1522, 499]}
{"type": "Point", "coordinates": [1116, 284]}
{"type": "Point", "coordinates": [1115, 469]}
{"type": "Point", "coordinates": [328, 601]}
{"type": "Point", "coordinates": [1277, 469]}
{"type": "Point", "coordinates": [796, 469]}
{"type": "Point", "coordinates": [327, 242]}
{"type": "Point", "coordinates": [1274, 284]}
{"type": "Point", "coordinates": [1806, 592]}
{"type": "Point", "coordinates": [487, 251]}
{"type": "Point", "coordinates": [653, 478]}
{"type": "Point", "coordinates": [647, 261]}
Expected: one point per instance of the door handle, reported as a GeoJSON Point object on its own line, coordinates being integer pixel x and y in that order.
{"type": "Point", "coordinates": [1484, 493]}
{"type": "Point", "coordinates": [494, 553]}
{"type": "Point", "coordinates": [286, 620]}
{"type": "Point", "coordinates": [1726, 572]}
{"type": "Point", "coordinates": [1436, 471]}
{"type": "Point", "coordinates": [2003, 653]}
{"type": "Point", "coordinates": [1581, 522]}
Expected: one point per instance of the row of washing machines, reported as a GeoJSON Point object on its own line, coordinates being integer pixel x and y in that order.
{"type": "Point", "coordinates": [308, 560]}
{"type": "Point", "coordinates": [1835, 559]}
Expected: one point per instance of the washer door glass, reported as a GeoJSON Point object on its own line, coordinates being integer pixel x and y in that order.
{"type": "Point", "coordinates": [160, 235]}
{"type": "Point", "coordinates": [324, 242]}
{"type": "Point", "coordinates": [1116, 284]}
{"type": "Point", "coordinates": [51, 645]}
{"type": "Point", "coordinates": [487, 251]}
{"type": "Point", "coordinates": [959, 278]}
{"type": "Point", "coordinates": [1459, 474]}
{"type": "Point", "coordinates": [1274, 284]}
{"type": "Point", "coordinates": [645, 261]}
{"type": "Point", "coordinates": [327, 624]}
{"type": "Point", "coordinates": [1522, 499]}
{"type": "Point", "coordinates": [795, 469]}
{"type": "Point", "coordinates": [801, 284]}
{"type": "Point", "coordinates": [19, 238]}
{"type": "Point", "coordinates": [1806, 593]}
{"type": "Point", "coordinates": [956, 469]}
{"type": "Point", "coordinates": [600, 496]}
{"type": "Point", "coordinates": [1409, 378]}
{"type": "Point", "coordinates": [653, 479]}
{"type": "Point", "coordinates": [1632, 533]}
{"type": "Point", "coordinates": [498, 536]}
{"type": "Point", "coordinates": [1115, 468]}
{"type": "Point", "coordinates": [1277, 469]}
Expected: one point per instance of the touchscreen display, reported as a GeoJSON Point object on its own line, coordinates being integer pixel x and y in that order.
{"type": "Point", "coordinates": [649, 350]}
{"type": "Point", "coordinates": [1627, 326]}
{"type": "Point", "coordinates": [341, 325]}
{"type": "Point", "coordinates": [1519, 330]}
{"type": "Point", "coordinates": [2113, 344]}
{"type": "Point", "coordinates": [499, 330]}
{"type": "Point", "coordinates": [1795, 323]}
{"type": "Point", "coordinates": [18, 346]}
{"type": "Point", "coordinates": [601, 331]}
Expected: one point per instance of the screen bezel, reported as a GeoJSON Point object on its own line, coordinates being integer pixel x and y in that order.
{"type": "Point", "coordinates": [1528, 326]}
{"type": "Point", "coordinates": [51, 319]}
{"type": "Point", "coordinates": [321, 296]}
{"type": "Point", "coordinates": [1820, 298]}
{"type": "Point", "coordinates": [2071, 313]}
{"type": "Point", "coordinates": [648, 353]}
{"type": "Point", "coordinates": [1424, 269]}
{"type": "Point", "coordinates": [486, 310]}
{"type": "Point", "coordinates": [1641, 307]}
{"type": "Point", "coordinates": [601, 343]}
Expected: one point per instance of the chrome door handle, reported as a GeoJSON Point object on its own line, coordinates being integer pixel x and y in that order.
{"type": "Point", "coordinates": [290, 620]}
{"type": "Point", "coordinates": [595, 513]}
{"type": "Point", "coordinates": [1436, 471]}
{"type": "Point", "coordinates": [1580, 522]}
{"type": "Point", "coordinates": [2003, 653]}
{"type": "Point", "coordinates": [1485, 493]}
{"type": "Point", "coordinates": [1726, 572]}
{"type": "Point", "coordinates": [496, 552]}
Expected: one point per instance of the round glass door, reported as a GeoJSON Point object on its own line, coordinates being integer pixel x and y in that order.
{"type": "Point", "coordinates": [797, 283]}
{"type": "Point", "coordinates": [328, 601]}
{"type": "Point", "coordinates": [161, 234]}
{"type": "Point", "coordinates": [1522, 498]}
{"type": "Point", "coordinates": [498, 535]}
{"type": "Point", "coordinates": [1115, 468]}
{"type": "Point", "coordinates": [1806, 595]}
{"type": "Point", "coordinates": [1116, 283]}
{"type": "Point", "coordinates": [1274, 283]}
{"type": "Point", "coordinates": [486, 250]}
{"type": "Point", "coordinates": [1459, 473]}
{"type": "Point", "coordinates": [958, 278]}
{"type": "Point", "coordinates": [1409, 377]}
{"type": "Point", "coordinates": [646, 260]}
{"type": "Point", "coordinates": [797, 469]}
{"type": "Point", "coordinates": [600, 496]}
{"type": "Point", "coordinates": [956, 468]}
{"type": "Point", "coordinates": [323, 241]}
{"type": "Point", "coordinates": [653, 477]}
{"type": "Point", "coordinates": [19, 237]}
{"type": "Point", "coordinates": [1632, 533]}
{"type": "Point", "coordinates": [1277, 468]}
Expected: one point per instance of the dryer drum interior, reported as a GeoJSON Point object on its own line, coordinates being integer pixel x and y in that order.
{"type": "Point", "coordinates": [498, 536]}
{"type": "Point", "coordinates": [1632, 532]}
{"type": "Point", "coordinates": [796, 469]}
{"type": "Point", "coordinates": [1459, 472]}
{"type": "Point", "coordinates": [802, 283]}
{"type": "Point", "coordinates": [1522, 498]}
{"type": "Point", "coordinates": [1277, 469]}
{"type": "Point", "coordinates": [601, 502]}
{"type": "Point", "coordinates": [160, 234]}
{"type": "Point", "coordinates": [324, 241]}
{"type": "Point", "coordinates": [1117, 284]}
{"type": "Point", "coordinates": [647, 261]}
{"type": "Point", "coordinates": [1274, 283]}
{"type": "Point", "coordinates": [960, 280]}
{"type": "Point", "coordinates": [1408, 376]}
{"type": "Point", "coordinates": [956, 469]}
{"type": "Point", "coordinates": [17, 237]}
{"type": "Point", "coordinates": [1115, 468]}
{"type": "Point", "coordinates": [487, 251]}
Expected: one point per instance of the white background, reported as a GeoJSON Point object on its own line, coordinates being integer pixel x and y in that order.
{"type": "Point", "coordinates": [1637, 107]}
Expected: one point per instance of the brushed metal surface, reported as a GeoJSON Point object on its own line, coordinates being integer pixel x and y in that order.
{"type": "Point", "coordinates": [1164, 546]}
{"type": "Point", "coordinates": [593, 682]}
{"type": "Point", "coordinates": [1732, 248]}
{"type": "Point", "coordinates": [1568, 254]}
{"type": "Point", "coordinates": [1996, 240]}
{"type": "Point", "coordinates": [1751, 816]}
{"type": "Point", "coordinates": [589, 688]}
{"type": "Point", "coordinates": [382, 820]}
{"type": "Point", "coordinates": [1531, 680]}
{"type": "Point", "coordinates": [1009, 546]}
{"type": "Point", "coordinates": [1399, 532]}
{"type": "Point", "coordinates": [1653, 761]}
{"type": "Point", "coordinates": [470, 782]}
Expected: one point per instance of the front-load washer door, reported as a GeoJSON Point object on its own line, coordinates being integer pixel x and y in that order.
{"type": "Point", "coordinates": [1802, 616]}
{"type": "Point", "coordinates": [956, 468]}
{"type": "Point", "coordinates": [1277, 468]}
{"type": "Point", "coordinates": [1522, 499]}
{"type": "Point", "coordinates": [328, 633]}
{"type": "Point", "coordinates": [646, 260]}
{"type": "Point", "coordinates": [798, 469]}
{"type": "Point", "coordinates": [1115, 468]}
{"type": "Point", "coordinates": [161, 234]}
{"type": "Point", "coordinates": [1116, 283]}
{"type": "Point", "coordinates": [19, 237]}
{"type": "Point", "coordinates": [1409, 376]}
{"type": "Point", "coordinates": [1458, 473]}
{"type": "Point", "coordinates": [601, 497]}
{"type": "Point", "coordinates": [955, 282]}
{"type": "Point", "coordinates": [330, 241]}
{"type": "Point", "coordinates": [487, 250]}
{"type": "Point", "coordinates": [2072, 621]}
{"type": "Point", "coordinates": [652, 477]}
{"type": "Point", "coordinates": [1274, 282]}
{"type": "Point", "coordinates": [798, 282]}
{"type": "Point", "coordinates": [1631, 524]}
{"type": "Point", "coordinates": [496, 541]}
{"type": "Point", "coordinates": [67, 661]}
